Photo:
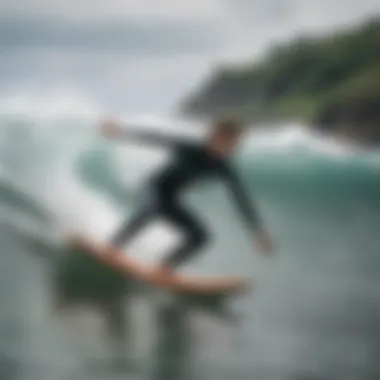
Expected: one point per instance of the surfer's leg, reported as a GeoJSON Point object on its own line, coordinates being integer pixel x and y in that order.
{"type": "Point", "coordinates": [196, 235]}
{"type": "Point", "coordinates": [139, 220]}
{"type": "Point", "coordinates": [131, 228]}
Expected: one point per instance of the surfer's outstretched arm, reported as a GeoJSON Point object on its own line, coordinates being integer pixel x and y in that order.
{"type": "Point", "coordinates": [247, 210]}
{"type": "Point", "coordinates": [245, 206]}
{"type": "Point", "coordinates": [114, 130]}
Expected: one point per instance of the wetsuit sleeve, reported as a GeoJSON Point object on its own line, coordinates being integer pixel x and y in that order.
{"type": "Point", "coordinates": [160, 139]}
{"type": "Point", "coordinates": [245, 206]}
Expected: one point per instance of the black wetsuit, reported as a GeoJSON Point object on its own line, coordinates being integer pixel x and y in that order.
{"type": "Point", "coordinates": [192, 162]}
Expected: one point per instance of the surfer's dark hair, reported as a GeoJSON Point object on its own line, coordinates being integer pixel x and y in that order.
{"type": "Point", "coordinates": [228, 126]}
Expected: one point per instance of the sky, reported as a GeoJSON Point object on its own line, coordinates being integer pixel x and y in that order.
{"type": "Point", "coordinates": [143, 56]}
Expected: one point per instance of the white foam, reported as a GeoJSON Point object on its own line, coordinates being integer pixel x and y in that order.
{"type": "Point", "coordinates": [297, 138]}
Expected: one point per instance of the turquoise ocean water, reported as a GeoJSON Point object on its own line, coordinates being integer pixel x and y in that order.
{"type": "Point", "coordinates": [315, 313]}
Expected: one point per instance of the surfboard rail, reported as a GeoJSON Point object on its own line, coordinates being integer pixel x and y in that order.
{"type": "Point", "coordinates": [148, 274]}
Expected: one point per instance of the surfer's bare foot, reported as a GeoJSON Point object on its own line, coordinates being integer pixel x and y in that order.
{"type": "Point", "coordinates": [113, 250]}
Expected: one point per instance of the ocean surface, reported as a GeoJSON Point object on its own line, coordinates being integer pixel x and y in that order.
{"type": "Point", "coordinates": [315, 309]}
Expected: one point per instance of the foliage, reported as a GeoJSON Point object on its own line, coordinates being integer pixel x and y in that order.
{"type": "Point", "coordinates": [304, 80]}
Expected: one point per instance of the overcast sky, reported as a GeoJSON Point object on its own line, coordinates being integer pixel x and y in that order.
{"type": "Point", "coordinates": [143, 55]}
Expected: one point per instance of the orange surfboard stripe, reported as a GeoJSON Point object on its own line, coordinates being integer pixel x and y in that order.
{"type": "Point", "coordinates": [190, 284]}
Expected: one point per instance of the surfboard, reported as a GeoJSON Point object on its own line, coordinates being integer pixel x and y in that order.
{"type": "Point", "coordinates": [177, 282]}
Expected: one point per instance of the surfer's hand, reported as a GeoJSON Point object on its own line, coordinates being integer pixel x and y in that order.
{"type": "Point", "coordinates": [111, 129]}
{"type": "Point", "coordinates": [264, 242]}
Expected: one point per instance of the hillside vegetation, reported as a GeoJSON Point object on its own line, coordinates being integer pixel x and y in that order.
{"type": "Point", "coordinates": [332, 82]}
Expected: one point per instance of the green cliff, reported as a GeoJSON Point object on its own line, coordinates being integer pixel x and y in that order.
{"type": "Point", "coordinates": [331, 82]}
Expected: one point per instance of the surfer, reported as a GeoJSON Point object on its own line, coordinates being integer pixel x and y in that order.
{"type": "Point", "coordinates": [192, 161]}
